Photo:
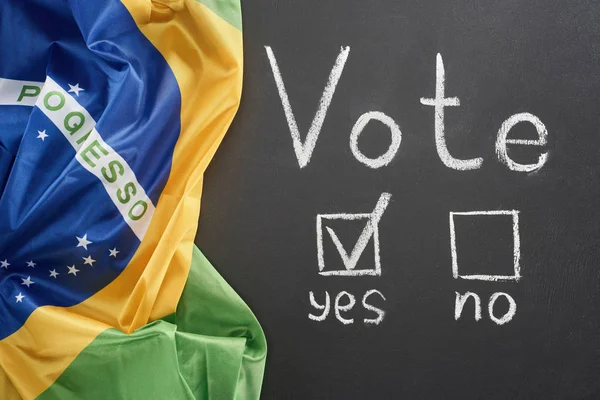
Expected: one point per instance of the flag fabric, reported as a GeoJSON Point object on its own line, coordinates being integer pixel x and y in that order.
{"type": "Point", "coordinates": [110, 112]}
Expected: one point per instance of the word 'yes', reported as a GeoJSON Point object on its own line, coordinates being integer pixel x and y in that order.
{"type": "Point", "coordinates": [305, 149]}
{"type": "Point", "coordinates": [339, 307]}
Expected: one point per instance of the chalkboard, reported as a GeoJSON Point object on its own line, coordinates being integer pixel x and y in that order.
{"type": "Point", "coordinates": [450, 192]}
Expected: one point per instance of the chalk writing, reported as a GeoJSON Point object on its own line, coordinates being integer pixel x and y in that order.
{"type": "Point", "coordinates": [304, 150]}
{"type": "Point", "coordinates": [371, 229]}
{"type": "Point", "coordinates": [345, 301]}
{"type": "Point", "coordinates": [380, 313]}
{"type": "Point", "coordinates": [438, 103]}
{"type": "Point", "coordinates": [461, 300]}
{"type": "Point", "coordinates": [316, 305]}
{"type": "Point", "coordinates": [512, 308]}
{"type": "Point", "coordinates": [388, 156]}
{"type": "Point", "coordinates": [346, 307]}
{"type": "Point", "coordinates": [501, 142]}
{"type": "Point", "coordinates": [516, 247]}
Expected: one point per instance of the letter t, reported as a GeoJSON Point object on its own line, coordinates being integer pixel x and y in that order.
{"type": "Point", "coordinates": [439, 103]}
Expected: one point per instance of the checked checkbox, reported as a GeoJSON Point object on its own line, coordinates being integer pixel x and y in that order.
{"type": "Point", "coordinates": [350, 259]}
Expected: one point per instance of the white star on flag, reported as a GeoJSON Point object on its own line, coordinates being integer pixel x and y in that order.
{"type": "Point", "coordinates": [19, 298]}
{"type": "Point", "coordinates": [113, 252]}
{"type": "Point", "coordinates": [89, 260]}
{"type": "Point", "coordinates": [4, 264]}
{"type": "Point", "coordinates": [42, 135]}
{"type": "Point", "coordinates": [53, 273]}
{"type": "Point", "coordinates": [75, 89]}
{"type": "Point", "coordinates": [83, 242]}
{"type": "Point", "coordinates": [27, 282]}
{"type": "Point", "coordinates": [31, 264]}
{"type": "Point", "coordinates": [73, 270]}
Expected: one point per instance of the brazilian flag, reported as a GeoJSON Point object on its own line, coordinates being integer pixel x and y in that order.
{"type": "Point", "coordinates": [110, 112]}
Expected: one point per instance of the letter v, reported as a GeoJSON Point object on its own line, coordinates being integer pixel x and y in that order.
{"type": "Point", "coordinates": [304, 150]}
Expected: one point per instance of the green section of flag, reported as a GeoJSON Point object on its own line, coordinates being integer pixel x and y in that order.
{"type": "Point", "coordinates": [229, 10]}
{"type": "Point", "coordinates": [211, 348]}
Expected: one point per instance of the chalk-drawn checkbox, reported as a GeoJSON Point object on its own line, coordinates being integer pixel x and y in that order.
{"type": "Point", "coordinates": [512, 218]}
{"type": "Point", "coordinates": [371, 230]}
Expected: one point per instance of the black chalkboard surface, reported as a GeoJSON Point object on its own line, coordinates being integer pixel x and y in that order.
{"type": "Point", "coordinates": [455, 168]}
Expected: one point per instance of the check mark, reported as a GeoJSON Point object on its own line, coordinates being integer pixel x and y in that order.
{"type": "Point", "coordinates": [350, 260]}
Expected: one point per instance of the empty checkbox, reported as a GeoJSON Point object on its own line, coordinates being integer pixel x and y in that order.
{"type": "Point", "coordinates": [485, 245]}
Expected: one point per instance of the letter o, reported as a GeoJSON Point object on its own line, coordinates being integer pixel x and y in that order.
{"type": "Point", "coordinates": [512, 308]}
{"type": "Point", "coordinates": [61, 101]}
{"type": "Point", "coordinates": [357, 129]}
{"type": "Point", "coordinates": [140, 203]}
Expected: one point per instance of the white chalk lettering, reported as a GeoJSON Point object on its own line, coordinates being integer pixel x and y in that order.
{"type": "Point", "coordinates": [388, 156]}
{"type": "Point", "coordinates": [439, 102]}
{"type": "Point", "coordinates": [304, 150]}
{"type": "Point", "coordinates": [339, 307]}
{"type": "Point", "coordinates": [316, 305]}
{"type": "Point", "coordinates": [380, 313]}
{"type": "Point", "coordinates": [502, 141]}
{"type": "Point", "coordinates": [461, 300]}
{"type": "Point", "coordinates": [344, 308]}
{"type": "Point", "coordinates": [512, 308]}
